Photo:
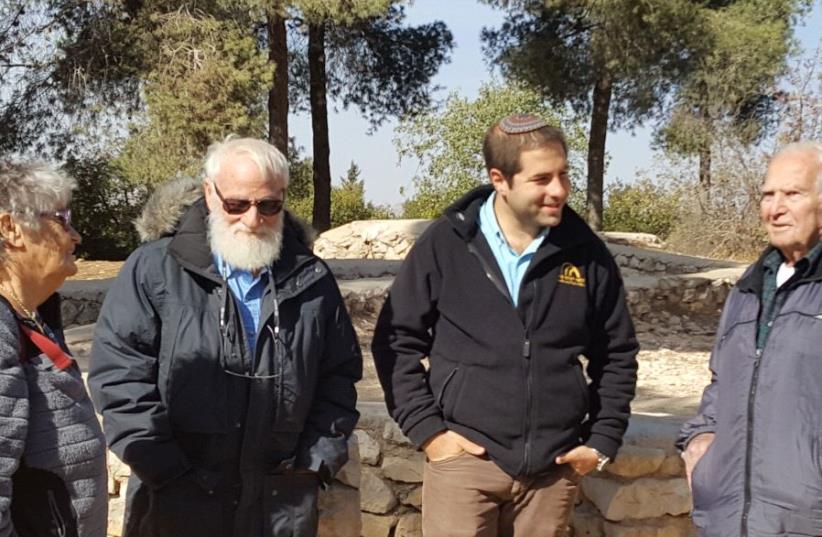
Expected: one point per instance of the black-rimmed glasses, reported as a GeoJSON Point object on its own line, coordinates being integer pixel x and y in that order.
{"type": "Point", "coordinates": [265, 206]}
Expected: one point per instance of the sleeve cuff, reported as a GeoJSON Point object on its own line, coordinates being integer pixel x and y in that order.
{"type": "Point", "coordinates": [156, 463]}
{"type": "Point", "coordinates": [425, 429]}
{"type": "Point", "coordinates": [605, 445]}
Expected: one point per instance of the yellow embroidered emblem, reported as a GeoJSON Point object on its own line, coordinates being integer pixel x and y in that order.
{"type": "Point", "coordinates": [571, 275]}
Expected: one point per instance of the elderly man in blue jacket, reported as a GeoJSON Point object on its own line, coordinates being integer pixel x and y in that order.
{"type": "Point", "coordinates": [753, 454]}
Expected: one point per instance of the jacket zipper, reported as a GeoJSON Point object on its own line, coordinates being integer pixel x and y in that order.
{"type": "Point", "coordinates": [490, 273]}
{"type": "Point", "coordinates": [529, 382]}
{"type": "Point", "coordinates": [526, 355]}
{"type": "Point", "coordinates": [746, 505]}
{"type": "Point", "coordinates": [526, 351]}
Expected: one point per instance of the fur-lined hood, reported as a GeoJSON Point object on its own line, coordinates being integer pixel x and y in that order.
{"type": "Point", "coordinates": [166, 205]}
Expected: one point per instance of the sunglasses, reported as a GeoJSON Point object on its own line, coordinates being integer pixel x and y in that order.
{"type": "Point", "coordinates": [63, 217]}
{"type": "Point", "coordinates": [265, 206]}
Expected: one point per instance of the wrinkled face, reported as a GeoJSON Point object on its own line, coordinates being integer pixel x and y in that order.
{"type": "Point", "coordinates": [790, 206]}
{"type": "Point", "coordinates": [249, 240]}
{"type": "Point", "coordinates": [49, 250]}
{"type": "Point", "coordinates": [536, 195]}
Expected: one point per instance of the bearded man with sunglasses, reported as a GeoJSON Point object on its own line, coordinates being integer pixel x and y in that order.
{"type": "Point", "coordinates": [224, 360]}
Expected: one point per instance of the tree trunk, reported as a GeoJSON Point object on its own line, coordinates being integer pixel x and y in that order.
{"type": "Point", "coordinates": [704, 151]}
{"type": "Point", "coordinates": [278, 94]}
{"type": "Point", "coordinates": [596, 150]}
{"type": "Point", "coordinates": [705, 168]}
{"type": "Point", "coordinates": [319, 125]}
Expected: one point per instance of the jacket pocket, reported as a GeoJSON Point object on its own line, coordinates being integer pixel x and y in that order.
{"type": "Point", "coordinates": [189, 506]}
{"type": "Point", "coordinates": [290, 504]}
{"type": "Point", "coordinates": [582, 384]}
{"type": "Point", "coordinates": [41, 505]}
{"type": "Point", "coordinates": [450, 393]}
{"type": "Point", "coordinates": [700, 487]}
{"type": "Point", "coordinates": [445, 384]}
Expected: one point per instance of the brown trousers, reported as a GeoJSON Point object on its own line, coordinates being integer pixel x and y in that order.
{"type": "Point", "coordinates": [468, 496]}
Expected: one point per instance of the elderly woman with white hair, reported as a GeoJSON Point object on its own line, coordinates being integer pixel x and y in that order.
{"type": "Point", "coordinates": [52, 450]}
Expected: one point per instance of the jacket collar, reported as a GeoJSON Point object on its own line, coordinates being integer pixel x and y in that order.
{"type": "Point", "coordinates": [751, 281]}
{"type": "Point", "coordinates": [572, 230]}
{"type": "Point", "coordinates": [190, 245]}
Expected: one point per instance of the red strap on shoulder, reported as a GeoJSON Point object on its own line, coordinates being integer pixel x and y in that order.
{"type": "Point", "coordinates": [58, 357]}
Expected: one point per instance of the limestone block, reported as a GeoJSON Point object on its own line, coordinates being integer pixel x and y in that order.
{"type": "Point", "coordinates": [349, 474]}
{"type": "Point", "coordinates": [647, 265]}
{"type": "Point", "coordinates": [404, 469]}
{"type": "Point", "coordinates": [586, 521]}
{"type": "Point", "coordinates": [409, 525]}
{"type": "Point", "coordinates": [672, 466]}
{"type": "Point", "coordinates": [414, 498]}
{"type": "Point", "coordinates": [377, 526]}
{"type": "Point", "coordinates": [369, 448]}
{"type": "Point", "coordinates": [646, 497]}
{"type": "Point", "coordinates": [393, 433]}
{"type": "Point", "coordinates": [375, 494]}
{"type": "Point", "coordinates": [118, 473]}
{"type": "Point", "coordinates": [635, 461]}
{"type": "Point", "coordinates": [658, 527]}
{"type": "Point", "coordinates": [116, 509]}
{"type": "Point", "coordinates": [339, 512]}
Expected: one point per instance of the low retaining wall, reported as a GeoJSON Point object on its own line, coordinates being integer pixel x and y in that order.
{"type": "Point", "coordinates": [379, 492]}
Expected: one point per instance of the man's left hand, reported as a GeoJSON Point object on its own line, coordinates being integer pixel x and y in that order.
{"type": "Point", "coordinates": [582, 459]}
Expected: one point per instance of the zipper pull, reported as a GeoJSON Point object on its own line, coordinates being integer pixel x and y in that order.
{"type": "Point", "coordinates": [526, 348]}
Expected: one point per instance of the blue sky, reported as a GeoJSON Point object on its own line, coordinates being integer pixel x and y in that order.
{"type": "Point", "coordinates": [629, 152]}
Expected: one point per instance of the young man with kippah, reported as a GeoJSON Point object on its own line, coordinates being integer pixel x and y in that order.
{"type": "Point", "coordinates": [502, 294]}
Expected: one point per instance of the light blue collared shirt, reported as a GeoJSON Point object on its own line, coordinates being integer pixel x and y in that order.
{"type": "Point", "coordinates": [512, 265]}
{"type": "Point", "coordinates": [248, 290]}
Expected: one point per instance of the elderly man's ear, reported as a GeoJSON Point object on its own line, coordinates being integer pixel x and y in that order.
{"type": "Point", "coordinates": [10, 232]}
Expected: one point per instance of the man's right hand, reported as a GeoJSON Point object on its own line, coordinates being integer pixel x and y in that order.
{"type": "Point", "coordinates": [695, 450]}
{"type": "Point", "coordinates": [448, 445]}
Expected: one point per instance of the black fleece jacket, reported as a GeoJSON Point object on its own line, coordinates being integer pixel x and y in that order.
{"type": "Point", "coordinates": [508, 378]}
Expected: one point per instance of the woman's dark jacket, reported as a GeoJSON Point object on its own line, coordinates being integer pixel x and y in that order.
{"type": "Point", "coordinates": [508, 378]}
{"type": "Point", "coordinates": [52, 450]}
{"type": "Point", "coordinates": [762, 475]}
{"type": "Point", "coordinates": [215, 454]}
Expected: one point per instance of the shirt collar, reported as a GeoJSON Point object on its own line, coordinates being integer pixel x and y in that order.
{"type": "Point", "coordinates": [229, 272]}
{"type": "Point", "coordinates": [774, 259]}
{"type": "Point", "coordinates": [490, 217]}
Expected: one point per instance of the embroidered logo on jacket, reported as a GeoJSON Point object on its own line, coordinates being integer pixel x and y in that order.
{"type": "Point", "coordinates": [571, 275]}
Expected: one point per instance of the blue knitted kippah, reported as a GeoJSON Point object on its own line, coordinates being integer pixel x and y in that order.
{"type": "Point", "coordinates": [521, 123]}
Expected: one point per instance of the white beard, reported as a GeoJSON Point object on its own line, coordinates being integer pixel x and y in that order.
{"type": "Point", "coordinates": [242, 249]}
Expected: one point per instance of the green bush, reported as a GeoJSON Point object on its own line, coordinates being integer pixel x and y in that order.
{"type": "Point", "coordinates": [641, 207]}
{"type": "Point", "coordinates": [104, 207]}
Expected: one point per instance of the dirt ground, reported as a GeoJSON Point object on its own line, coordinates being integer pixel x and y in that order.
{"type": "Point", "coordinates": [96, 270]}
{"type": "Point", "coordinates": [673, 365]}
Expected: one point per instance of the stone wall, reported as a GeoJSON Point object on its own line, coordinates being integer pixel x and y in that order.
{"type": "Point", "coordinates": [370, 239]}
{"type": "Point", "coordinates": [379, 492]}
{"type": "Point", "coordinates": [642, 494]}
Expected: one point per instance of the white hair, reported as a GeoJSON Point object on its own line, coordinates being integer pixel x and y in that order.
{"type": "Point", "coordinates": [809, 148]}
{"type": "Point", "coordinates": [271, 163]}
{"type": "Point", "coordinates": [29, 189]}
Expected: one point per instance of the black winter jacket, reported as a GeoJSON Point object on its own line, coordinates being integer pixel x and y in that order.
{"type": "Point", "coordinates": [508, 378]}
{"type": "Point", "coordinates": [214, 454]}
{"type": "Point", "coordinates": [762, 475]}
